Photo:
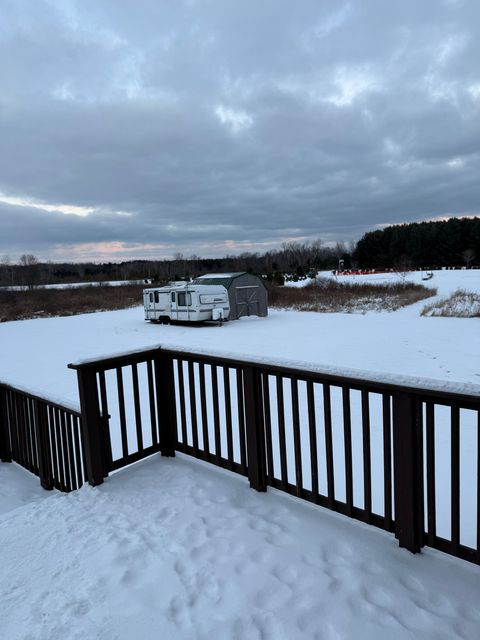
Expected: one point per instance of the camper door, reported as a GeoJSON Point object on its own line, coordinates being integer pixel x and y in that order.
{"type": "Point", "coordinates": [181, 303]}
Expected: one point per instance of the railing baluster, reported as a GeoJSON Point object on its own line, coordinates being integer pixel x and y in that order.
{"type": "Point", "coordinates": [455, 475]}
{"type": "Point", "coordinates": [228, 415]}
{"type": "Point", "coordinates": [181, 396]}
{"type": "Point", "coordinates": [216, 413]}
{"type": "Point", "coordinates": [43, 444]}
{"type": "Point", "coordinates": [241, 421]}
{"type": "Point", "coordinates": [367, 465]}
{"type": "Point", "coordinates": [71, 453]}
{"type": "Point", "coordinates": [387, 461]}
{"type": "Point", "coordinates": [281, 431]}
{"type": "Point", "coordinates": [431, 501]}
{"type": "Point", "coordinates": [136, 402]}
{"type": "Point", "coordinates": [121, 408]}
{"type": "Point", "coordinates": [78, 455]}
{"type": "Point", "coordinates": [347, 437]}
{"type": "Point", "coordinates": [193, 406]}
{"type": "Point", "coordinates": [203, 406]}
{"type": "Point", "coordinates": [268, 427]}
{"type": "Point", "coordinates": [105, 421]}
{"type": "Point", "coordinates": [28, 434]}
{"type": "Point", "coordinates": [327, 412]}
{"type": "Point", "coordinates": [312, 430]}
{"type": "Point", "coordinates": [36, 444]}
{"type": "Point", "coordinates": [66, 450]}
{"type": "Point", "coordinates": [60, 454]}
{"type": "Point", "coordinates": [21, 430]}
{"type": "Point", "coordinates": [151, 400]}
{"type": "Point", "coordinates": [297, 445]}
{"type": "Point", "coordinates": [53, 440]}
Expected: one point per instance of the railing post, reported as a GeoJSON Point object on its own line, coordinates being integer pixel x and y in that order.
{"type": "Point", "coordinates": [255, 428]}
{"type": "Point", "coordinates": [5, 449]}
{"type": "Point", "coordinates": [408, 478]}
{"type": "Point", "coordinates": [167, 415]}
{"type": "Point", "coordinates": [91, 426]}
{"type": "Point", "coordinates": [43, 445]}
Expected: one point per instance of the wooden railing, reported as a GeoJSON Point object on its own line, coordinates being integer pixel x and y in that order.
{"type": "Point", "coordinates": [405, 459]}
{"type": "Point", "coordinates": [388, 455]}
{"type": "Point", "coordinates": [43, 437]}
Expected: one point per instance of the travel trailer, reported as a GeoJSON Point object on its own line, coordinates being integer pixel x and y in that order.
{"type": "Point", "coordinates": [186, 302]}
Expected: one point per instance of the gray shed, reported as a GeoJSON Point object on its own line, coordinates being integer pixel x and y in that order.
{"type": "Point", "coordinates": [247, 293]}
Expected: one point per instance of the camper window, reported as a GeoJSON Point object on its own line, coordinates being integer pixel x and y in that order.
{"type": "Point", "coordinates": [156, 297]}
{"type": "Point", "coordinates": [184, 299]}
{"type": "Point", "coordinates": [151, 297]}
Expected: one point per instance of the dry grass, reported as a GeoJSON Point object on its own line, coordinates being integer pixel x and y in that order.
{"type": "Point", "coordinates": [461, 304]}
{"type": "Point", "coordinates": [41, 303]}
{"type": "Point", "coordinates": [329, 296]}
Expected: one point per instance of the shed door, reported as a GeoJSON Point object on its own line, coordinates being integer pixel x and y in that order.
{"type": "Point", "coordinates": [247, 300]}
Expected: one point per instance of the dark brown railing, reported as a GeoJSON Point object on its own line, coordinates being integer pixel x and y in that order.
{"type": "Point", "coordinates": [368, 450]}
{"type": "Point", "coordinates": [43, 437]}
{"type": "Point", "coordinates": [394, 456]}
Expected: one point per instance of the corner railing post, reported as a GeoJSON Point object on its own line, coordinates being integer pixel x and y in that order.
{"type": "Point", "coordinates": [255, 429]}
{"type": "Point", "coordinates": [43, 445]}
{"type": "Point", "coordinates": [167, 415]}
{"type": "Point", "coordinates": [408, 477]}
{"type": "Point", "coordinates": [91, 426]}
{"type": "Point", "coordinates": [5, 448]}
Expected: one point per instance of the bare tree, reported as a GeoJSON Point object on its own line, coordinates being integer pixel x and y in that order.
{"type": "Point", "coordinates": [402, 267]}
{"type": "Point", "coordinates": [29, 264]}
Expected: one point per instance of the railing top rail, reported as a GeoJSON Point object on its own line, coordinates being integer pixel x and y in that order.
{"type": "Point", "coordinates": [467, 394]}
{"type": "Point", "coordinates": [120, 360]}
{"type": "Point", "coordinates": [53, 403]}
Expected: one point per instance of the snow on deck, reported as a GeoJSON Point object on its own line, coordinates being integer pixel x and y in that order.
{"type": "Point", "coordinates": [173, 548]}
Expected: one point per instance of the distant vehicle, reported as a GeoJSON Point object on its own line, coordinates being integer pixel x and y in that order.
{"type": "Point", "coordinates": [428, 275]}
{"type": "Point", "coordinates": [186, 302]}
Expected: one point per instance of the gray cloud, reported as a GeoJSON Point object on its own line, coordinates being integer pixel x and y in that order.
{"type": "Point", "coordinates": [217, 125]}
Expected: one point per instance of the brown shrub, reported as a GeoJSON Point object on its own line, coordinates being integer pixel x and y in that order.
{"type": "Point", "coordinates": [330, 296]}
{"type": "Point", "coordinates": [40, 303]}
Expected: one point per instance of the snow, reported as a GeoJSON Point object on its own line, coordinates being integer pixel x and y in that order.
{"type": "Point", "coordinates": [75, 285]}
{"type": "Point", "coordinates": [179, 549]}
{"type": "Point", "coordinates": [402, 344]}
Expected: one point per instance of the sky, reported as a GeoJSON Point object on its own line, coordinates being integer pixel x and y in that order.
{"type": "Point", "coordinates": [140, 129]}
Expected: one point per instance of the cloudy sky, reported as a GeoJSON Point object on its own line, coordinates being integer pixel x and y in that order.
{"type": "Point", "coordinates": [140, 128]}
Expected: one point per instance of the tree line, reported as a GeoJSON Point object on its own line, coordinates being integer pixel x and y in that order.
{"type": "Point", "coordinates": [450, 243]}
{"type": "Point", "coordinates": [292, 257]}
{"type": "Point", "coordinates": [446, 243]}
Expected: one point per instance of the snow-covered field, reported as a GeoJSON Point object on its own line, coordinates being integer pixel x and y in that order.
{"type": "Point", "coordinates": [75, 285]}
{"type": "Point", "coordinates": [175, 549]}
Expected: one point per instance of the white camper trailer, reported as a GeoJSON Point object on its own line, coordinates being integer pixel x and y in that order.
{"type": "Point", "coordinates": [186, 302]}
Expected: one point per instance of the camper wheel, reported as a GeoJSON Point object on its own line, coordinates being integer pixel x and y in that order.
{"type": "Point", "coordinates": [164, 320]}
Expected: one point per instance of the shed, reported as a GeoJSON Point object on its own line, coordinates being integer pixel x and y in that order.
{"type": "Point", "coordinates": [247, 293]}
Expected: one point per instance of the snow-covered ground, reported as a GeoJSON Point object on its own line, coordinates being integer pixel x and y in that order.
{"type": "Point", "coordinates": [34, 353]}
{"type": "Point", "coordinates": [177, 549]}
{"type": "Point", "coordinates": [76, 285]}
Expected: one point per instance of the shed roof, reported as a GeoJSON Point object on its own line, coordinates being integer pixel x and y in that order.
{"type": "Point", "coordinates": [226, 279]}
